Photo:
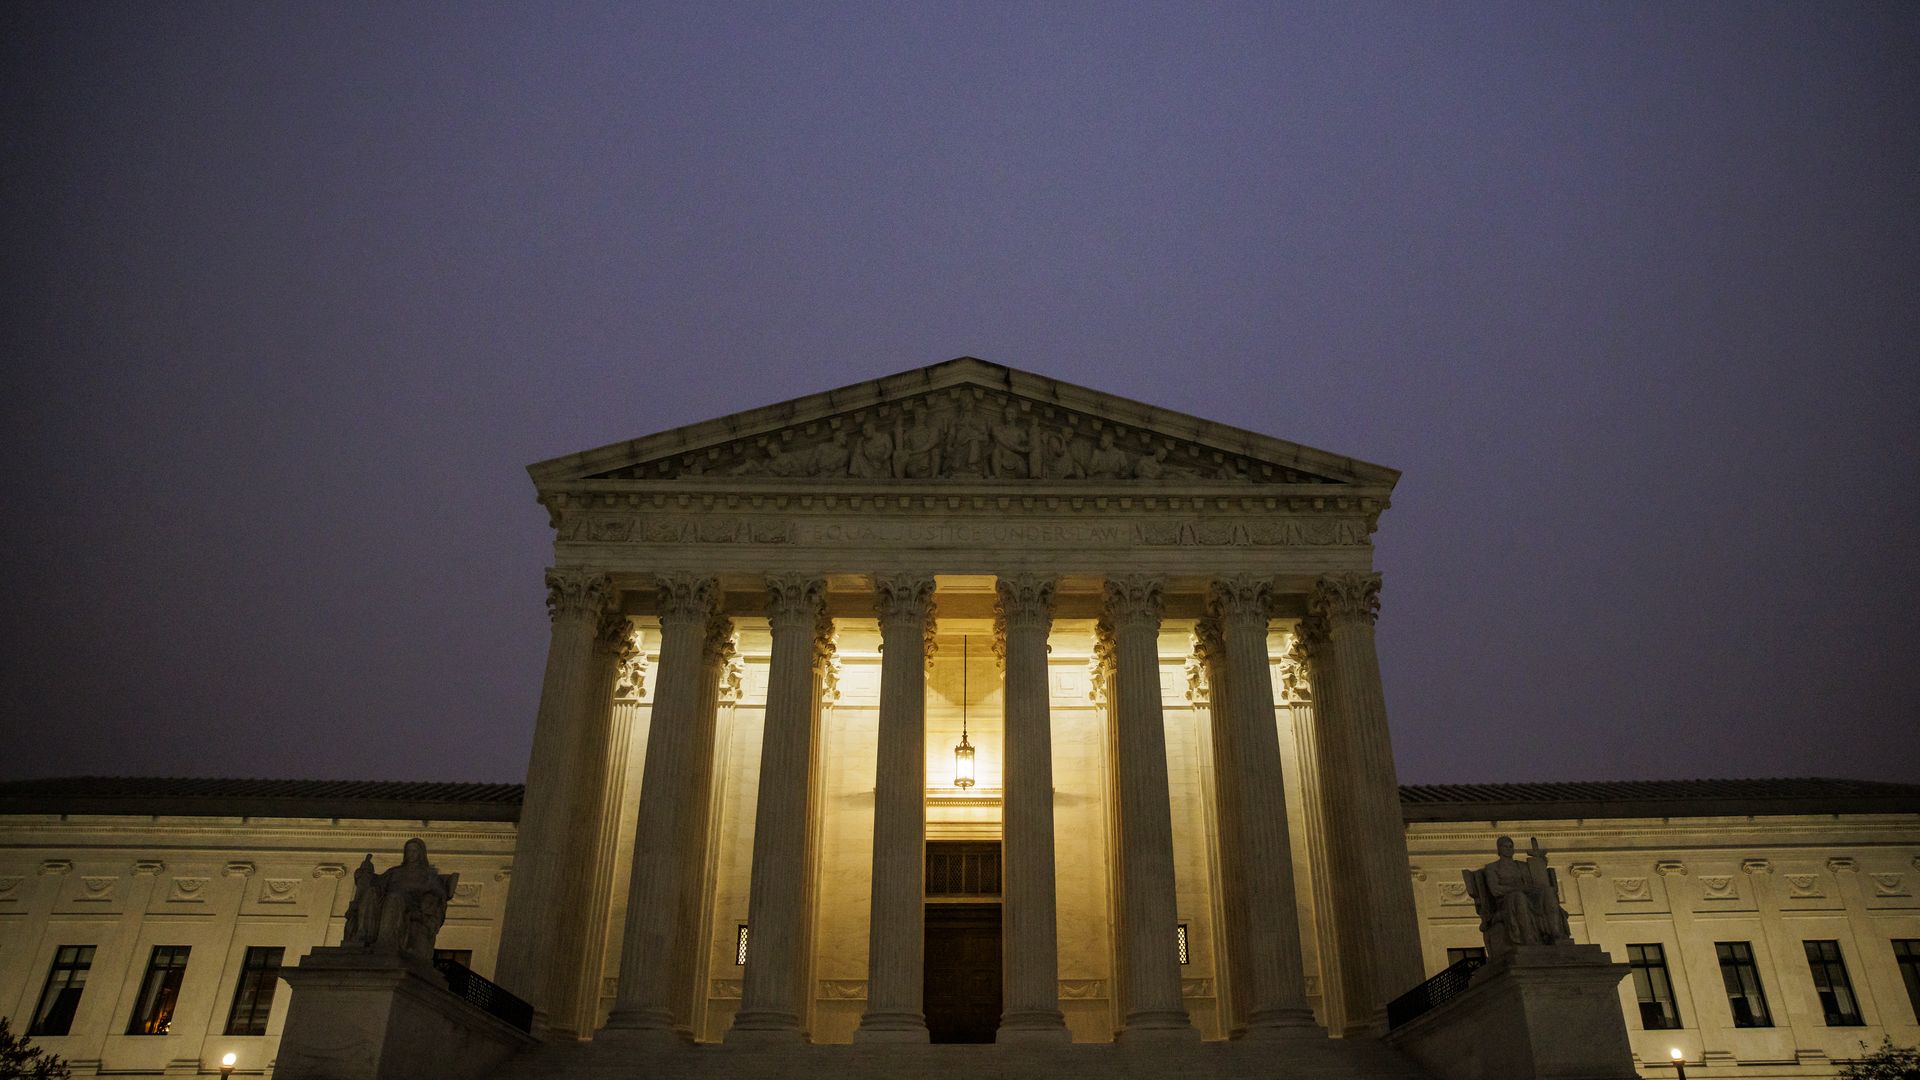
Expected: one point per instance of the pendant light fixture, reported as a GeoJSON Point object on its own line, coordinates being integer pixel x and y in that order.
{"type": "Point", "coordinates": [963, 753]}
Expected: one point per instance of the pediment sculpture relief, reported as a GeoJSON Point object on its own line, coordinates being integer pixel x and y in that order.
{"type": "Point", "coordinates": [967, 434]}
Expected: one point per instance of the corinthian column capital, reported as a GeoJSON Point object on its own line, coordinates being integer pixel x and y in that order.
{"type": "Point", "coordinates": [578, 594]}
{"type": "Point", "coordinates": [902, 597]}
{"type": "Point", "coordinates": [614, 638]}
{"type": "Point", "coordinates": [1023, 602]}
{"type": "Point", "coordinates": [1240, 599]}
{"type": "Point", "coordinates": [687, 598]}
{"type": "Point", "coordinates": [717, 646]}
{"type": "Point", "coordinates": [794, 601]}
{"type": "Point", "coordinates": [1350, 595]}
{"type": "Point", "coordinates": [1133, 602]}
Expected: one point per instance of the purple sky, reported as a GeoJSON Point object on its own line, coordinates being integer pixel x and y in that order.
{"type": "Point", "coordinates": [293, 295]}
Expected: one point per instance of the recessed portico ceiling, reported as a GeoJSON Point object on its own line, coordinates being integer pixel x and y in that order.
{"type": "Point", "coordinates": [970, 421]}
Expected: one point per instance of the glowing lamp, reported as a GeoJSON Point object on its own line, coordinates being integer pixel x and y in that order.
{"type": "Point", "coordinates": [963, 753]}
{"type": "Point", "coordinates": [226, 1064]}
{"type": "Point", "coordinates": [1679, 1063]}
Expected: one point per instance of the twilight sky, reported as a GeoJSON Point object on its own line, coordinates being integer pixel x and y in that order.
{"type": "Point", "coordinates": [293, 294]}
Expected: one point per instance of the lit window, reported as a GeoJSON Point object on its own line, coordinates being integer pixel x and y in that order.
{"type": "Point", "coordinates": [253, 994]}
{"type": "Point", "coordinates": [740, 945]}
{"type": "Point", "coordinates": [61, 996]}
{"type": "Point", "coordinates": [1906, 953]}
{"type": "Point", "coordinates": [1471, 952]}
{"type": "Point", "coordinates": [1742, 976]}
{"type": "Point", "coordinates": [1180, 942]}
{"type": "Point", "coordinates": [159, 991]}
{"type": "Point", "coordinates": [1831, 983]}
{"type": "Point", "coordinates": [1652, 986]}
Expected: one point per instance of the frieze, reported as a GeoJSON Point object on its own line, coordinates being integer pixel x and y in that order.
{"type": "Point", "coordinates": [966, 434]}
{"type": "Point", "coordinates": [1194, 532]}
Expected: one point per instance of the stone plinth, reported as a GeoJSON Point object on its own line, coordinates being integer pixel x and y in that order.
{"type": "Point", "coordinates": [1541, 1012]}
{"type": "Point", "coordinates": [363, 1016]}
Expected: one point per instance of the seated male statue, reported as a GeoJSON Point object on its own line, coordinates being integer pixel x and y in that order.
{"type": "Point", "coordinates": [1518, 902]}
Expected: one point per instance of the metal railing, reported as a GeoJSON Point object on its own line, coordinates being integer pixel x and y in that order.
{"type": "Point", "coordinates": [486, 994]}
{"type": "Point", "coordinates": [1433, 993]}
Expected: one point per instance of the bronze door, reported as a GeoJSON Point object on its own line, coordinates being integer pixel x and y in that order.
{"type": "Point", "coordinates": [962, 991]}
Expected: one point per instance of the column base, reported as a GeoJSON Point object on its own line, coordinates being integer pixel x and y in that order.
{"type": "Point", "coordinates": [762, 1028]}
{"type": "Point", "coordinates": [641, 1028]}
{"type": "Point", "coordinates": [1159, 1026]}
{"type": "Point", "coordinates": [1281, 1024]}
{"type": "Point", "coordinates": [1033, 1027]}
{"type": "Point", "coordinates": [891, 1028]}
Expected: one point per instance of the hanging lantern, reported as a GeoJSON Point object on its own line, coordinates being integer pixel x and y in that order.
{"type": "Point", "coordinates": [963, 753]}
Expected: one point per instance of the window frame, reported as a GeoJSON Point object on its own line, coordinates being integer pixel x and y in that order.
{"type": "Point", "coordinates": [1740, 975]}
{"type": "Point", "coordinates": [1466, 952]}
{"type": "Point", "coordinates": [1824, 967]}
{"type": "Point", "coordinates": [73, 962]}
{"type": "Point", "coordinates": [1906, 957]}
{"type": "Point", "coordinates": [256, 988]}
{"type": "Point", "coordinates": [155, 1002]}
{"type": "Point", "coordinates": [1651, 977]}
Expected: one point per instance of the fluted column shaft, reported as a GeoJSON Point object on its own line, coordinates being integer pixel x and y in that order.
{"type": "Point", "coordinates": [1272, 984]}
{"type": "Point", "coordinates": [896, 939]}
{"type": "Point", "coordinates": [645, 1002]}
{"type": "Point", "coordinates": [1375, 923]}
{"type": "Point", "coordinates": [1149, 962]}
{"type": "Point", "coordinates": [1030, 947]}
{"type": "Point", "coordinates": [544, 855]}
{"type": "Point", "coordinates": [773, 996]}
{"type": "Point", "coordinates": [1210, 647]}
{"type": "Point", "coordinates": [695, 823]}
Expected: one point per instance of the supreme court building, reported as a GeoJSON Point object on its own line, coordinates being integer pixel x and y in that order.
{"type": "Point", "coordinates": [963, 705]}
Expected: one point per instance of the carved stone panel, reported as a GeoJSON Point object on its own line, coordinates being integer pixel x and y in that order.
{"type": "Point", "coordinates": [1632, 890]}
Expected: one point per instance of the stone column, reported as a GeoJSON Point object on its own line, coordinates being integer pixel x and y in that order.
{"type": "Point", "coordinates": [1030, 948]}
{"type": "Point", "coordinates": [1149, 961]}
{"type": "Point", "coordinates": [716, 655]}
{"type": "Point", "coordinates": [1210, 649]}
{"type": "Point", "coordinates": [544, 853]}
{"type": "Point", "coordinates": [1296, 680]}
{"type": "Point", "coordinates": [774, 995]}
{"type": "Point", "coordinates": [629, 685]}
{"type": "Point", "coordinates": [1272, 985]}
{"type": "Point", "coordinates": [1375, 924]}
{"type": "Point", "coordinates": [896, 942]}
{"type": "Point", "coordinates": [644, 1007]}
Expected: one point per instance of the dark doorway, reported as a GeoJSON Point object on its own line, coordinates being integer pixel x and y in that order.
{"type": "Point", "coordinates": [962, 992]}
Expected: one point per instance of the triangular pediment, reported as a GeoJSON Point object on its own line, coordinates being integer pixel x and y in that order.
{"type": "Point", "coordinates": [964, 421]}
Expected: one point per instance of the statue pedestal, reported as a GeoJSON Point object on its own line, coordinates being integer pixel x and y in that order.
{"type": "Point", "coordinates": [1540, 1012]}
{"type": "Point", "coordinates": [356, 1015]}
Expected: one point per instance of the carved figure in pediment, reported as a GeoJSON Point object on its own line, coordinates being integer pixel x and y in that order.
{"type": "Point", "coordinates": [1013, 446]}
{"type": "Point", "coordinates": [1056, 458]}
{"type": "Point", "coordinates": [873, 454]}
{"type": "Point", "coordinates": [1518, 902]}
{"type": "Point", "coordinates": [921, 439]}
{"type": "Point", "coordinates": [968, 443]}
{"type": "Point", "coordinates": [399, 910]}
{"type": "Point", "coordinates": [1104, 461]}
{"type": "Point", "coordinates": [1157, 467]}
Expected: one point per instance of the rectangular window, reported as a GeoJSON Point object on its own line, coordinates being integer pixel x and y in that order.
{"type": "Point", "coordinates": [963, 868]}
{"type": "Point", "coordinates": [463, 957]}
{"type": "Point", "coordinates": [1742, 976]}
{"type": "Point", "coordinates": [159, 991]}
{"type": "Point", "coordinates": [253, 995]}
{"type": "Point", "coordinates": [1180, 943]}
{"type": "Point", "coordinates": [1831, 983]}
{"type": "Point", "coordinates": [1472, 952]}
{"type": "Point", "coordinates": [1906, 953]}
{"type": "Point", "coordinates": [61, 996]}
{"type": "Point", "coordinates": [740, 946]}
{"type": "Point", "coordinates": [1652, 986]}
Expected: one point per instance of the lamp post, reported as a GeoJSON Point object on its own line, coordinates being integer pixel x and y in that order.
{"type": "Point", "coordinates": [1679, 1063]}
{"type": "Point", "coordinates": [226, 1066]}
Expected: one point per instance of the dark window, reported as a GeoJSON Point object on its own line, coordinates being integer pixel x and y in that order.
{"type": "Point", "coordinates": [1652, 986]}
{"type": "Point", "coordinates": [1471, 952]}
{"type": "Point", "coordinates": [463, 957]}
{"type": "Point", "coordinates": [740, 946]}
{"type": "Point", "coordinates": [963, 868]}
{"type": "Point", "coordinates": [1180, 943]}
{"type": "Point", "coordinates": [1906, 953]}
{"type": "Point", "coordinates": [1742, 976]}
{"type": "Point", "coordinates": [61, 996]}
{"type": "Point", "coordinates": [1831, 983]}
{"type": "Point", "coordinates": [159, 991]}
{"type": "Point", "coordinates": [253, 995]}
